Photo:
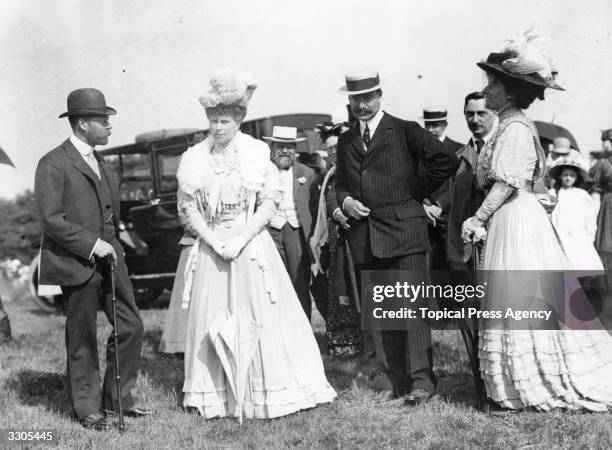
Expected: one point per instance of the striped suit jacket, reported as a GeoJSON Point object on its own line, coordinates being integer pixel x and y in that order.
{"type": "Point", "coordinates": [402, 165]}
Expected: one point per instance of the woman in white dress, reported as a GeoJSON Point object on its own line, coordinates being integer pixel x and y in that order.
{"type": "Point", "coordinates": [527, 366]}
{"type": "Point", "coordinates": [575, 215]}
{"type": "Point", "coordinates": [228, 192]}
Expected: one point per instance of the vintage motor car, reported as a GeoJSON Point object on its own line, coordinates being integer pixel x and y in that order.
{"type": "Point", "coordinates": [150, 229]}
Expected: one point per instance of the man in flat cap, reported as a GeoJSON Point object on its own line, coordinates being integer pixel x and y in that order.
{"type": "Point", "coordinates": [78, 205]}
{"type": "Point", "coordinates": [386, 167]}
{"type": "Point", "coordinates": [436, 206]}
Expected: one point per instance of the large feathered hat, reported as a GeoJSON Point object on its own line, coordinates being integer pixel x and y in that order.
{"type": "Point", "coordinates": [521, 59]}
{"type": "Point", "coordinates": [229, 88]}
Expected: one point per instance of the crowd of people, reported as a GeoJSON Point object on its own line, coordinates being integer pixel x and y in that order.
{"type": "Point", "coordinates": [266, 236]}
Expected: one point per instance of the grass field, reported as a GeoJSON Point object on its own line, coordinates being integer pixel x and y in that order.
{"type": "Point", "coordinates": [32, 380]}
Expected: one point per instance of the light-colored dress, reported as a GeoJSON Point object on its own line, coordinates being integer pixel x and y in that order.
{"type": "Point", "coordinates": [219, 194]}
{"type": "Point", "coordinates": [575, 219]}
{"type": "Point", "coordinates": [531, 367]}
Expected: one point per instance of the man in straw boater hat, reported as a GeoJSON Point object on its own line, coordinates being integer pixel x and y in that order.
{"type": "Point", "coordinates": [386, 167]}
{"type": "Point", "coordinates": [291, 226]}
{"type": "Point", "coordinates": [77, 196]}
{"type": "Point", "coordinates": [437, 205]}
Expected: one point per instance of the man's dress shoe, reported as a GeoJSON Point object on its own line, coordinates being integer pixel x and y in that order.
{"type": "Point", "coordinates": [419, 396]}
{"type": "Point", "coordinates": [135, 411]}
{"type": "Point", "coordinates": [95, 421]}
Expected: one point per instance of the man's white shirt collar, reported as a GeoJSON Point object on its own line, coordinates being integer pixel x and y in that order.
{"type": "Point", "coordinates": [489, 136]}
{"type": "Point", "coordinates": [372, 123]}
{"type": "Point", "coordinates": [83, 147]}
{"type": "Point", "coordinates": [442, 137]}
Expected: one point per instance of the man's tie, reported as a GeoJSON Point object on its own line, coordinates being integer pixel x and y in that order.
{"type": "Point", "coordinates": [92, 162]}
{"type": "Point", "coordinates": [366, 136]}
{"type": "Point", "coordinates": [479, 144]}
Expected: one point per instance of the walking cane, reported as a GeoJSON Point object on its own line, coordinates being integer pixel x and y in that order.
{"type": "Point", "coordinates": [116, 338]}
{"type": "Point", "coordinates": [480, 388]}
{"type": "Point", "coordinates": [376, 336]}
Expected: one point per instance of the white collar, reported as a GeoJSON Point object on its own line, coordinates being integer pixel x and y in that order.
{"type": "Point", "coordinates": [372, 123]}
{"type": "Point", "coordinates": [442, 137]}
{"type": "Point", "coordinates": [489, 136]}
{"type": "Point", "coordinates": [83, 147]}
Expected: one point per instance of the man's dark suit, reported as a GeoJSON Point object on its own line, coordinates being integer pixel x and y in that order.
{"type": "Point", "coordinates": [76, 208]}
{"type": "Point", "coordinates": [465, 197]}
{"type": "Point", "coordinates": [438, 235]}
{"type": "Point", "coordinates": [292, 244]}
{"type": "Point", "coordinates": [403, 165]}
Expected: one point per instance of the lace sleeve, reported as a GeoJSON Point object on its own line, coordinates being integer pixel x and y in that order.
{"type": "Point", "coordinates": [189, 213]}
{"type": "Point", "coordinates": [267, 201]}
{"type": "Point", "coordinates": [514, 156]}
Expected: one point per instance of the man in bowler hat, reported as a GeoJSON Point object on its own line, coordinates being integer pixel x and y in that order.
{"type": "Point", "coordinates": [386, 167]}
{"type": "Point", "coordinates": [78, 206]}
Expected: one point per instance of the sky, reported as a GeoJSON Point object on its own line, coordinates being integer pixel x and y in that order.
{"type": "Point", "coordinates": [152, 59]}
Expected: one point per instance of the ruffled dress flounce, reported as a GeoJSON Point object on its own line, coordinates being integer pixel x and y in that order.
{"type": "Point", "coordinates": [531, 367]}
{"type": "Point", "coordinates": [286, 374]}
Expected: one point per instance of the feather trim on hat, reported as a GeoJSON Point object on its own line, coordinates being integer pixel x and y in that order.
{"type": "Point", "coordinates": [529, 58]}
{"type": "Point", "coordinates": [229, 88]}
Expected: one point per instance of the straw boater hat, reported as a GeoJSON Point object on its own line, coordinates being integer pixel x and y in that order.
{"type": "Point", "coordinates": [520, 59]}
{"type": "Point", "coordinates": [360, 82]}
{"type": "Point", "coordinates": [569, 162]}
{"type": "Point", "coordinates": [284, 134]}
{"type": "Point", "coordinates": [87, 102]}
{"type": "Point", "coordinates": [434, 114]}
{"type": "Point", "coordinates": [561, 146]}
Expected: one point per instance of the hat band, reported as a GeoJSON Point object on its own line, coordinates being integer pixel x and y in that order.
{"type": "Point", "coordinates": [360, 85]}
{"type": "Point", "coordinates": [434, 116]}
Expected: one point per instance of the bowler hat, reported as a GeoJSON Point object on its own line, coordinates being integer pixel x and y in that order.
{"type": "Point", "coordinates": [87, 102]}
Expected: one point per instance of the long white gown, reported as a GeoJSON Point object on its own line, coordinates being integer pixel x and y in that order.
{"type": "Point", "coordinates": [531, 367]}
{"type": "Point", "coordinates": [286, 374]}
{"type": "Point", "coordinates": [575, 219]}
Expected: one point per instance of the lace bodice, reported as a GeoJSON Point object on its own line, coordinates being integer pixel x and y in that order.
{"type": "Point", "coordinates": [514, 155]}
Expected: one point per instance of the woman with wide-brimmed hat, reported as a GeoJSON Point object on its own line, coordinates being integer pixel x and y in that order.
{"type": "Point", "coordinates": [527, 363]}
{"type": "Point", "coordinates": [574, 216]}
{"type": "Point", "coordinates": [249, 350]}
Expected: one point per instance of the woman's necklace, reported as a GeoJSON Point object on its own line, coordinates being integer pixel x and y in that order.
{"type": "Point", "coordinates": [224, 161]}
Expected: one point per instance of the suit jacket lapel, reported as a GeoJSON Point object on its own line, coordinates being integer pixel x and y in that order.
{"type": "Point", "coordinates": [79, 163]}
{"type": "Point", "coordinates": [381, 133]}
{"type": "Point", "coordinates": [357, 142]}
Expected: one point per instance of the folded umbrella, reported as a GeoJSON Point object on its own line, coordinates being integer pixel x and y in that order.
{"type": "Point", "coordinates": [235, 336]}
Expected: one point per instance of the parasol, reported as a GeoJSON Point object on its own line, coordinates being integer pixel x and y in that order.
{"type": "Point", "coordinates": [235, 335]}
{"type": "Point", "coordinates": [4, 159]}
{"type": "Point", "coordinates": [549, 131]}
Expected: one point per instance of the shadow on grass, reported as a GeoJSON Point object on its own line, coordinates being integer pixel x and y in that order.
{"type": "Point", "coordinates": [165, 370]}
{"type": "Point", "coordinates": [47, 389]}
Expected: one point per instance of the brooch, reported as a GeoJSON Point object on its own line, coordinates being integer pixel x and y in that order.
{"type": "Point", "coordinates": [302, 180]}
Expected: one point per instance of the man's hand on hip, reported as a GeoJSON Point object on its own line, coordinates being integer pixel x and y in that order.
{"type": "Point", "coordinates": [104, 249]}
{"type": "Point", "coordinates": [355, 209]}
